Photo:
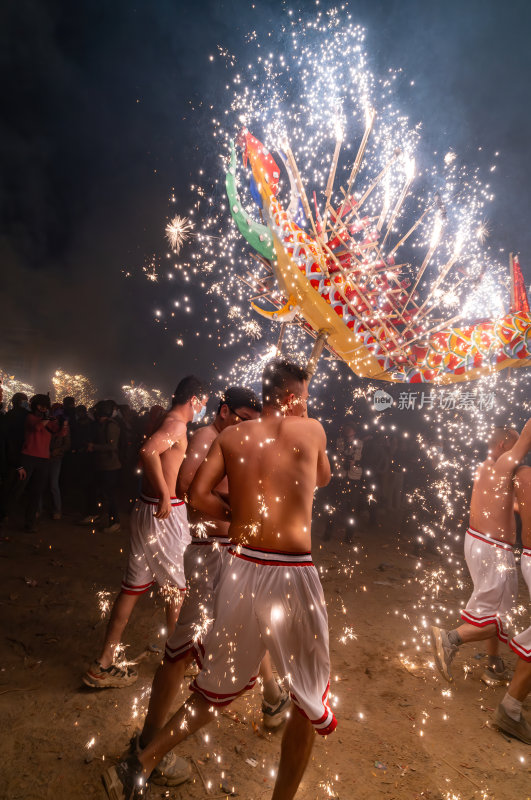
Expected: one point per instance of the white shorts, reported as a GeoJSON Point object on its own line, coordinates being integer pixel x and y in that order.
{"type": "Point", "coordinates": [203, 559]}
{"type": "Point", "coordinates": [493, 571]}
{"type": "Point", "coordinates": [269, 600]}
{"type": "Point", "coordinates": [156, 548]}
{"type": "Point", "coordinates": [521, 644]}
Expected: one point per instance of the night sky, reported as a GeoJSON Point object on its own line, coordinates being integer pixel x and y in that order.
{"type": "Point", "coordinates": [105, 108]}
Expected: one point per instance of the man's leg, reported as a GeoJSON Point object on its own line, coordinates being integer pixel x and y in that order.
{"type": "Point", "coordinates": [297, 743]}
{"type": "Point", "coordinates": [104, 673]}
{"type": "Point", "coordinates": [121, 611]}
{"type": "Point", "coordinates": [521, 682]}
{"type": "Point", "coordinates": [126, 778]}
{"type": "Point", "coordinates": [271, 689]}
{"type": "Point", "coordinates": [473, 633]}
{"type": "Point", "coordinates": [508, 716]}
{"type": "Point", "coordinates": [55, 471]}
{"type": "Point", "coordinates": [36, 487]}
{"type": "Point", "coordinates": [173, 608]}
{"type": "Point", "coordinates": [445, 644]}
{"type": "Point", "coordinates": [166, 685]}
{"type": "Point", "coordinates": [192, 715]}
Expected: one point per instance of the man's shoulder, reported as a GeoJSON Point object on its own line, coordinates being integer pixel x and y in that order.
{"type": "Point", "coordinates": [203, 435]}
{"type": "Point", "coordinates": [250, 427]}
{"type": "Point", "coordinates": [307, 425]}
{"type": "Point", "coordinates": [173, 422]}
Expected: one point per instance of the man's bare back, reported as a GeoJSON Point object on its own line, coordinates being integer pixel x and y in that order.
{"type": "Point", "coordinates": [162, 455]}
{"type": "Point", "coordinates": [273, 466]}
{"type": "Point", "coordinates": [522, 485]}
{"type": "Point", "coordinates": [491, 506]}
{"type": "Point", "coordinates": [198, 447]}
{"type": "Point", "coordinates": [492, 503]}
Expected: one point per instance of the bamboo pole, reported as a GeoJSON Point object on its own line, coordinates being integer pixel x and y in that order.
{"type": "Point", "coordinates": [359, 156]}
{"type": "Point", "coordinates": [280, 338]}
{"type": "Point", "coordinates": [315, 355]}
{"type": "Point", "coordinates": [330, 183]}
{"type": "Point", "coordinates": [409, 179]}
{"type": "Point", "coordinates": [411, 230]}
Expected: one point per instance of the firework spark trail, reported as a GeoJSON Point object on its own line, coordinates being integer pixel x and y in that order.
{"type": "Point", "coordinates": [78, 386]}
{"type": "Point", "coordinates": [178, 231]}
{"type": "Point", "coordinates": [11, 385]}
{"type": "Point", "coordinates": [139, 397]}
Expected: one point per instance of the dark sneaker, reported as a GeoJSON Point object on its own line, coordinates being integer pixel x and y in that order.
{"type": "Point", "coordinates": [443, 651]}
{"type": "Point", "coordinates": [274, 716]}
{"type": "Point", "coordinates": [125, 782]}
{"type": "Point", "coordinates": [171, 771]}
{"type": "Point", "coordinates": [112, 677]}
{"type": "Point", "coordinates": [493, 678]}
{"type": "Point", "coordinates": [520, 729]}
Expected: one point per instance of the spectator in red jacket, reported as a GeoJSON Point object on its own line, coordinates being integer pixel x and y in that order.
{"type": "Point", "coordinates": [35, 458]}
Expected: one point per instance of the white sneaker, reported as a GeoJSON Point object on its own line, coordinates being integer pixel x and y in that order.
{"type": "Point", "coordinates": [443, 651]}
{"type": "Point", "coordinates": [274, 716]}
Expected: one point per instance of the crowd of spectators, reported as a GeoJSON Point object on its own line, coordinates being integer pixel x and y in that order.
{"type": "Point", "coordinates": [48, 450]}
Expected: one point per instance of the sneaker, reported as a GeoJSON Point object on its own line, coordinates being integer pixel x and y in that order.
{"type": "Point", "coordinates": [443, 651]}
{"type": "Point", "coordinates": [274, 716]}
{"type": "Point", "coordinates": [89, 520]}
{"type": "Point", "coordinates": [493, 678]}
{"type": "Point", "coordinates": [124, 782]}
{"type": "Point", "coordinates": [113, 677]}
{"type": "Point", "coordinates": [520, 729]}
{"type": "Point", "coordinates": [172, 770]}
{"type": "Point", "coordinates": [114, 527]}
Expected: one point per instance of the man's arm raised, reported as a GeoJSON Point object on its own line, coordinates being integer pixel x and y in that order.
{"type": "Point", "coordinates": [510, 460]}
{"type": "Point", "coordinates": [201, 494]}
{"type": "Point", "coordinates": [167, 435]}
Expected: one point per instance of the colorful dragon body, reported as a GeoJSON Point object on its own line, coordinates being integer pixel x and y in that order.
{"type": "Point", "coordinates": [363, 312]}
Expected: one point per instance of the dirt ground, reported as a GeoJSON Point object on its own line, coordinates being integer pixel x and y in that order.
{"type": "Point", "coordinates": [402, 733]}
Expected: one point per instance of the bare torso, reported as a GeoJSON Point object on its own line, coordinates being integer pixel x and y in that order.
{"type": "Point", "coordinates": [491, 506]}
{"type": "Point", "coordinates": [522, 484]}
{"type": "Point", "coordinates": [271, 465]}
{"type": "Point", "coordinates": [170, 442]}
{"type": "Point", "coordinates": [199, 445]}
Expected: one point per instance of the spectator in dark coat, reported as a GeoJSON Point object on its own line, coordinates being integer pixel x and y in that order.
{"type": "Point", "coordinates": [105, 446]}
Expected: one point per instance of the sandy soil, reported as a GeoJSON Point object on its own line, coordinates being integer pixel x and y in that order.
{"type": "Point", "coordinates": [403, 732]}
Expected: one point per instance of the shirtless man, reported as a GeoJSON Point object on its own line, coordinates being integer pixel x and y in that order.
{"type": "Point", "coordinates": [508, 716]}
{"type": "Point", "coordinates": [203, 560]}
{"type": "Point", "coordinates": [489, 556]}
{"type": "Point", "coordinates": [159, 532]}
{"type": "Point", "coordinates": [269, 596]}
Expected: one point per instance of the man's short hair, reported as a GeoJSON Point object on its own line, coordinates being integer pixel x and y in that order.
{"type": "Point", "coordinates": [240, 397]}
{"type": "Point", "coordinates": [69, 402]}
{"type": "Point", "coordinates": [187, 388]}
{"type": "Point", "coordinates": [280, 377]}
{"type": "Point", "coordinates": [39, 400]}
